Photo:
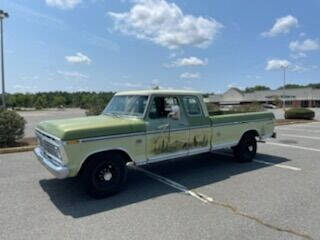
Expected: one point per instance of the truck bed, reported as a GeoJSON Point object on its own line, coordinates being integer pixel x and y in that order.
{"type": "Point", "coordinates": [241, 117]}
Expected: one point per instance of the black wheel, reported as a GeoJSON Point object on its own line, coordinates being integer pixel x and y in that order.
{"type": "Point", "coordinates": [246, 149]}
{"type": "Point", "coordinates": [104, 176]}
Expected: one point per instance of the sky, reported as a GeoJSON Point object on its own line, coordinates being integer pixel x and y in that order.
{"type": "Point", "coordinates": [115, 45]}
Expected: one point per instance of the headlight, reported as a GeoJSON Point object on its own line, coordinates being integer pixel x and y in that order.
{"type": "Point", "coordinates": [58, 153]}
{"type": "Point", "coordinates": [63, 155]}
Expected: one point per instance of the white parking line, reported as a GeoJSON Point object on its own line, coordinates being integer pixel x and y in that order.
{"type": "Point", "coordinates": [299, 136]}
{"type": "Point", "coordinates": [293, 146]}
{"type": "Point", "coordinates": [299, 129]}
{"type": "Point", "coordinates": [267, 163]}
{"type": "Point", "coordinates": [199, 196]}
{"type": "Point", "coordinates": [278, 165]}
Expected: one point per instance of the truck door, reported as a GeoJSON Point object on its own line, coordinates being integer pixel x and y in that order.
{"type": "Point", "coordinates": [199, 140]}
{"type": "Point", "coordinates": [166, 137]}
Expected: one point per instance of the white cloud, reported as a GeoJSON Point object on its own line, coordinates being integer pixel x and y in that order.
{"type": "Point", "coordinates": [298, 55]}
{"type": "Point", "coordinates": [306, 45]}
{"type": "Point", "coordinates": [78, 58]}
{"type": "Point", "coordinates": [127, 85]}
{"type": "Point", "coordinates": [63, 4]}
{"type": "Point", "coordinates": [299, 68]}
{"type": "Point", "coordinates": [73, 75]}
{"type": "Point", "coordinates": [282, 26]}
{"type": "Point", "coordinates": [155, 81]}
{"type": "Point", "coordinates": [302, 34]}
{"type": "Point", "coordinates": [231, 85]}
{"type": "Point", "coordinates": [188, 75]}
{"type": "Point", "coordinates": [276, 64]}
{"type": "Point", "coordinates": [191, 61]}
{"type": "Point", "coordinates": [165, 24]}
{"type": "Point", "coordinates": [235, 85]}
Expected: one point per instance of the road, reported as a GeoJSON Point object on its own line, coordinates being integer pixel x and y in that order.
{"type": "Point", "coordinates": [205, 197]}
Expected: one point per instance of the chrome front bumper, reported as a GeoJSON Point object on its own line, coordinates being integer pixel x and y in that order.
{"type": "Point", "coordinates": [58, 170]}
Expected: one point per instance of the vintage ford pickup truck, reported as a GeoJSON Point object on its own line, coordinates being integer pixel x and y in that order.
{"type": "Point", "coordinates": [142, 127]}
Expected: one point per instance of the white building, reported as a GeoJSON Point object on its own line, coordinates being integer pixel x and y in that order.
{"type": "Point", "coordinates": [298, 97]}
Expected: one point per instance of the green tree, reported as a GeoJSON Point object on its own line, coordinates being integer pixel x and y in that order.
{"type": "Point", "coordinates": [291, 86]}
{"type": "Point", "coordinates": [59, 101]}
{"type": "Point", "coordinates": [12, 101]}
{"type": "Point", "coordinates": [256, 88]}
{"type": "Point", "coordinates": [40, 102]}
{"type": "Point", "coordinates": [314, 85]}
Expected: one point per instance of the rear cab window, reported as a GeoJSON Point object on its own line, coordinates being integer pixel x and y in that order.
{"type": "Point", "coordinates": [192, 106]}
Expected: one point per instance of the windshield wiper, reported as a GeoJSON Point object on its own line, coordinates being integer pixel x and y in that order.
{"type": "Point", "coordinates": [116, 114]}
{"type": "Point", "coordinates": [113, 114]}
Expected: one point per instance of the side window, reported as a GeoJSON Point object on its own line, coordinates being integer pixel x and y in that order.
{"type": "Point", "coordinates": [192, 105]}
{"type": "Point", "coordinates": [161, 107]}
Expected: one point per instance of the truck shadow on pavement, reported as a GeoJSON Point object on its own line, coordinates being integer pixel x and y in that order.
{"type": "Point", "coordinates": [193, 172]}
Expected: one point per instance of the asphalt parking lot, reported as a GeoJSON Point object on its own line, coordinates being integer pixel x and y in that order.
{"type": "Point", "coordinates": [277, 196]}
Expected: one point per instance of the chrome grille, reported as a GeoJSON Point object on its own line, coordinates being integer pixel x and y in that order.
{"type": "Point", "coordinates": [47, 146]}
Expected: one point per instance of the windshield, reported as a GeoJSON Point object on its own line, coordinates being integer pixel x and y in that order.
{"type": "Point", "coordinates": [127, 105]}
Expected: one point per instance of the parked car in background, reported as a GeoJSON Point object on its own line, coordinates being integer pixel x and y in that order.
{"type": "Point", "coordinates": [270, 106]}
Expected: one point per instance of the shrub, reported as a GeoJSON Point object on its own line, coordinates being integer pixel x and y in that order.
{"type": "Point", "coordinates": [11, 127]}
{"type": "Point", "coordinates": [299, 113]}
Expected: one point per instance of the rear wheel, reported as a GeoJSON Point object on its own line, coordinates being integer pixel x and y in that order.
{"type": "Point", "coordinates": [246, 149]}
{"type": "Point", "coordinates": [105, 175]}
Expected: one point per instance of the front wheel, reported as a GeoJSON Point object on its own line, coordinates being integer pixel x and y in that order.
{"type": "Point", "coordinates": [246, 149]}
{"type": "Point", "coordinates": [104, 176]}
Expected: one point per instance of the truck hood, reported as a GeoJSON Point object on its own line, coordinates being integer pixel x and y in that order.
{"type": "Point", "coordinates": [87, 127]}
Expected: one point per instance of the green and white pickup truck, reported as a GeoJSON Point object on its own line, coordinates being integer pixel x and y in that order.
{"type": "Point", "coordinates": [142, 127]}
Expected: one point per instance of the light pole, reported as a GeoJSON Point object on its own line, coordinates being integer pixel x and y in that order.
{"type": "Point", "coordinates": [3, 15]}
{"type": "Point", "coordinates": [284, 67]}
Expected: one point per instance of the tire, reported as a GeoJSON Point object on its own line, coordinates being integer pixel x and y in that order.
{"type": "Point", "coordinates": [104, 175]}
{"type": "Point", "coordinates": [246, 149]}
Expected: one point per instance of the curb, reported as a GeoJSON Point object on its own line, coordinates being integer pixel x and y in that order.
{"type": "Point", "coordinates": [17, 149]}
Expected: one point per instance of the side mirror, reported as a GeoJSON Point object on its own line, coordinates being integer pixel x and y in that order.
{"type": "Point", "coordinates": [175, 112]}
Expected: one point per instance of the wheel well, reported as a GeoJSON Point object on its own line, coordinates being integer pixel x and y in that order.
{"type": "Point", "coordinates": [251, 132]}
{"type": "Point", "coordinates": [102, 154]}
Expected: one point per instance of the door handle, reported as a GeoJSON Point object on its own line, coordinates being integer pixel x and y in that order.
{"type": "Point", "coordinates": [163, 126]}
